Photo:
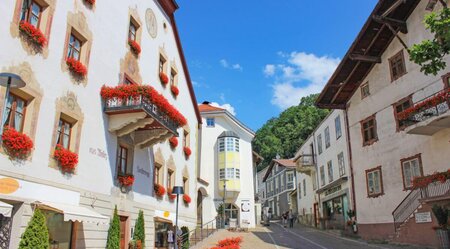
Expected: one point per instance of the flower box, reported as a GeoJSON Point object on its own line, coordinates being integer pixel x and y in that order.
{"type": "Point", "coordinates": [76, 67]}
{"type": "Point", "coordinates": [163, 77]}
{"type": "Point", "coordinates": [175, 91]}
{"type": "Point", "coordinates": [16, 144]}
{"type": "Point", "coordinates": [173, 142]}
{"type": "Point", "coordinates": [159, 190]}
{"type": "Point", "coordinates": [33, 33]}
{"type": "Point", "coordinates": [425, 104]}
{"type": "Point", "coordinates": [187, 151]}
{"type": "Point", "coordinates": [126, 180]}
{"type": "Point", "coordinates": [186, 199]}
{"type": "Point", "coordinates": [424, 181]}
{"type": "Point", "coordinates": [135, 47]}
{"type": "Point", "coordinates": [171, 196]}
{"type": "Point", "coordinates": [67, 160]}
{"type": "Point", "coordinates": [91, 2]}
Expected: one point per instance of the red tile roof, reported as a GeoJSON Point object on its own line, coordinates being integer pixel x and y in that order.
{"type": "Point", "coordinates": [209, 108]}
{"type": "Point", "coordinates": [285, 162]}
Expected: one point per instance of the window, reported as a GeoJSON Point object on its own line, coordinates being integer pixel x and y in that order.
{"type": "Point", "coordinates": [173, 75]}
{"type": "Point", "coordinates": [397, 66]}
{"type": "Point", "coordinates": [132, 31]}
{"type": "Point", "coordinates": [31, 12]}
{"type": "Point", "coordinates": [319, 143]}
{"type": "Point", "coordinates": [221, 174]}
{"type": "Point", "coordinates": [185, 138]}
{"type": "Point", "coordinates": [330, 171]}
{"type": "Point", "coordinates": [238, 173]}
{"type": "Point", "coordinates": [304, 187]}
{"type": "Point", "coordinates": [411, 168]}
{"type": "Point", "coordinates": [314, 180]}
{"type": "Point", "coordinates": [210, 122]}
{"type": "Point", "coordinates": [122, 158]}
{"type": "Point", "coordinates": [170, 178]}
{"type": "Point", "coordinates": [15, 112]}
{"type": "Point", "coordinates": [322, 175]}
{"type": "Point", "coordinates": [186, 185]}
{"type": "Point", "coordinates": [374, 182]}
{"type": "Point", "coordinates": [337, 125]}
{"type": "Point", "coordinates": [276, 184]}
{"type": "Point", "coordinates": [365, 90]}
{"type": "Point", "coordinates": [229, 143]}
{"type": "Point", "coordinates": [60, 231]}
{"type": "Point", "coordinates": [446, 80]}
{"type": "Point", "coordinates": [162, 63]}
{"type": "Point", "coordinates": [369, 130]}
{"type": "Point", "coordinates": [229, 173]}
{"type": "Point", "coordinates": [63, 134]}
{"type": "Point", "coordinates": [74, 49]}
{"type": "Point", "coordinates": [327, 137]}
{"type": "Point", "coordinates": [290, 176]}
{"type": "Point", "coordinates": [341, 164]}
{"type": "Point", "coordinates": [282, 182]}
{"type": "Point", "coordinates": [398, 108]}
{"type": "Point", "coordinates": [299, 190]}
{"type": "Point", "coordinates": [158, 174]}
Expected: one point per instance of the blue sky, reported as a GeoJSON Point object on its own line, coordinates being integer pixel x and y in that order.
{"type": "Point", "coordinates": [256, 58]}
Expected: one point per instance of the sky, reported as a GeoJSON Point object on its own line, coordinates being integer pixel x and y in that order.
{"type": "Point", "coordinates": [256, 58]}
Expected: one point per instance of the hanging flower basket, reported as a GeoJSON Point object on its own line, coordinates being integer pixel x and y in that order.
{"type": "Point", "coordinates": [126, 180]}
{"type": "Point", "coordinates": [67, 159]}
{"type": "Point", "coordinates": [33, 33]}
{"type": "Point", "coordinates": [171, 196]}
{"type": "Point", "coordinates": [91, 2]}
{"type": "Point", "coordinates": [163, 77]}
{"type": "Point", "coordinates": [76, 67]}
{"type": "Point", "coordinates": [159, 190]}
{"type": "Point", "coordinates": [186, 199]}
{"type": "Point", "coordinates": [187, 151]}
{"type": "Point", "coordinates": [173, 142]}
{"type": "Point", "coordinates": [424, 181]}
{"type": "Point", "coordinates": [16, 144]}
{"type": "Point", "coordinates": [135, 47]}
{"type": "Point", "coordinates": [175, 91]}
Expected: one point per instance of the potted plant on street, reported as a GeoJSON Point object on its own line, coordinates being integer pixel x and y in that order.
{"type": "Point", "coordinates": [442, 214]}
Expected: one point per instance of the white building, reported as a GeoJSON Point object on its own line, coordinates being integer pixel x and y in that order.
{"type": "Point", "coordinates": [390, 147]}
{"type": "Point", "coordinates": [226, 168]}
{"type": "Point", "coordinates": [114, 137]}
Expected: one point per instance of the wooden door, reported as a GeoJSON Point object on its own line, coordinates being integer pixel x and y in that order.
{"type": "Point", "coordinates": [123, 232]}
{"type": "Point", "coordinates": [316, 214]}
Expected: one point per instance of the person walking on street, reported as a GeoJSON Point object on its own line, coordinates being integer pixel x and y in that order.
{"type": "Point", "coordinates": [284, 219]}
{"type": "Point", "coordinates": [291, 219]}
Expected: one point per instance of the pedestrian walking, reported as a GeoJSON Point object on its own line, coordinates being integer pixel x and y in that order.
{"type": "Point", "coordinates": [291, 219]}
{"type": "Point", "coordinates": [284, 219]}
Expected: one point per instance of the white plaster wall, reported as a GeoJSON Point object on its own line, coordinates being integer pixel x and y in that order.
{"type": "Point", "coordinates": [305, 202]}
{"type": "Point", "coordinates": [392, 145]}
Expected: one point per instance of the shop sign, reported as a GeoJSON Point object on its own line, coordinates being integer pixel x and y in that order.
{"type": "Point", "coordinates": [332, 190]}
{"type": "Point", "coordinates": [8, 186]}
{"type": "Point", "coordinates": [424, 217]}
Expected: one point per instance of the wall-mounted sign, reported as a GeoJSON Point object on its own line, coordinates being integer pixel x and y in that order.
{"type": "Point", "coordinates": [152, 25]}
{"type": "Point", "coordinates": [245, 206]}
{"type": "Point", "coordinates": [8, 186]}
{"type": "Point", "coordinates": [98, 152]}
{"type": "Point", "coordinates": [424, 217]}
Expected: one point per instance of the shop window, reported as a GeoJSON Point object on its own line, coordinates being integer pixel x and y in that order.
{"type": "Point", "coordinates": [330, 171]}
{"type": "Point", "coordinates": [210, 122]}
{"type": "Point", "coordinates": [64, 133]}
{"type": "Point", "coordinates": [322, 175]}
{"type": "Point", "coordinates": [398, 108]}
{"type": "Point", "coordinates": [319, 143]}
{"type": "Point", "coordinates": [15, 112]}
{"type": "Point", "coordinates": [369, 130]}
{"type": "Point", "coordinates": [60, 232]}
{"type": "Point", "coordinates": [411, 168]}
{"type": "Point", "coordinates": [31, 12]}
{"type": "Point", "coordinates": [397, 66]}
{"type": "Point", "coordinates": [337, 126]}
{"type": "Point", "coordinates": [365, 90]}
{"type": "Point", "coordinates": [327, 137]}
{"type": "Point", "coordinates": [374, 181]}
{"type": "Point", "coordinates": [122, 160]}
{"type": "Point", "coordinates": [161, 235]}
{"type": "Point", "coordinates": [341, 164]}
{"type": "Point", "coordinates": [74, 47]}
{"type": "Point", "coordinates": [170, 178]}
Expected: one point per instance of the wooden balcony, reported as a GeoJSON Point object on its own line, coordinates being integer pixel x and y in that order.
{"type": "Point", "coordinates": [428, 116]}
{"type": "Point", "coordinates": [306, 164]}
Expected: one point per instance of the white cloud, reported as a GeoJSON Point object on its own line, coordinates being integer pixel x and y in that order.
{"type": "Point", "coordinates": [225, 106]}
{"type": "Point", "coordinates": [301, 74]}
{"type": "Point", "coordinates": [237, 67]}
{"type": "Point", "coordinates": [224, 63]}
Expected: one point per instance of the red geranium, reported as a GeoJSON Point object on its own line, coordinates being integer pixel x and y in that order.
{"type": "Point", "coordinates": [16, 144]}
{"type": "Point", "coordinates": [159, 190]}
{"type": "Point", "coordinates": [67, 160]}
{"type": "Point", "coordinates": [171, 196]}
{"type": "Point", "coordinates": [187, 151]}
{"type": "Point", "coordinates": [186, 199]}
{"type": "Point", "coordinates": [174, 89]}
{"type": "Point", "coordinates": [135, 47]}
{"type": "Point", "coordinates": [163, 77]}
{"type": "Point", "coordinates": [126, 180]}
{"type": "Point", "coordinates": [34, 33]}
{"type": "Point", "coordinates": [173, 142]}
{"type": "Point", "coordinates": [229, 243]}
{"type": "Point", "coordinates": [425, 104]}
{"type": "Point", "coordinates": [424, 181]}
{"type": "Point", "coordinates": [76, 67]}
{"type": "Point", "coordinates": [91, 2]}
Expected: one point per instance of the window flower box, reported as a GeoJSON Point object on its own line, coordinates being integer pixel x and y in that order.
{"type": "Point", "coordinates": [135, 47]}
{"type": "Point", "coordinates": [428, 103]}
{"type": "Point", "coordinates": [175, 91]}
{"type": "Point", "coordinates": [33, 33]}
{"type": "Point", "coordinates": [16, 144]}
{"type": "Point", "coordinates": [76, 67]}
{"type": "Point", "coordinates": [170, 195]}
{"type": "Point", "coordinates": [173, 142]}
{"type": "Point", "coordinates": [159, 190]}
{"type": "Point", "coordinates": [187, 151]}
{"type": "Point", "coordinates": [424, 181]}
{"type": "Point", "coordinates": [186, 199]}
{"type": "Point", "coordinates": [126, 180]}
{"type": "Point", "coordinates": [91, 2]}
{"type": "Point", "coordinates": [163, 77]}
{"type": "Point", "coordinates": [66, 159]}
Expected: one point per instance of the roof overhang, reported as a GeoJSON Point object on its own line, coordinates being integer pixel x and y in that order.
{"type": "Point", "coordinates": [232, 117]}
{"type": "Point", "coordinates": [388, 16]}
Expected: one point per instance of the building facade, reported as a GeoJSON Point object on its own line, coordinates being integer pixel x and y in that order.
{"type": "Point", "coordinates": [65, 51]}
{"type": "Point", "coordinates": [398, 120]}
{"type": "Point", "coordinates": [226, 169]}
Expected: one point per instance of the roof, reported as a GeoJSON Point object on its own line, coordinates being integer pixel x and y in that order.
{"type": "Point", "coordinates": [288, 163]}
{"type": "Point", "coordinates": [228, 134]}
{"type": "Point", "coordinates": [365, 51]}
{"type": "Point", "coordinates": [208, 108]}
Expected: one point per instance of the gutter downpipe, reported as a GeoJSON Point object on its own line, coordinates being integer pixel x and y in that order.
{"type": "Point", "coordinates": [350, 159]}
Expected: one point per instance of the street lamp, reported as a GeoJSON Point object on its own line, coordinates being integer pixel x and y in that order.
{"type": "Point", "coordinates": [9, 80]}
{"type": "Point", "coordinates": [224, 197]}
{"type": "Point", "coordinates": [177, 190]}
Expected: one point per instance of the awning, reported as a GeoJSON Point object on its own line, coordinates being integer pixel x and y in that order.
{"type": "Point", "coordinates": [74, 213]}
{"type": "Point", "coordinates": [5, 209]}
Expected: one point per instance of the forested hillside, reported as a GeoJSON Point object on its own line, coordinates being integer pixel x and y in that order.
{"type": "Point", "coordinates": [285, 134]}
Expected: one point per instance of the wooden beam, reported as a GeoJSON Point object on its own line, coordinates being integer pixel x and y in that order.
{"type": "Point", "coordinates": [365, 58]}
{"type": "Point", "coordinates": [393, 7]}
{"type": "Point", "coordinates": [393, 22]}
{"type": "Point", "coordinates": [396, 35]}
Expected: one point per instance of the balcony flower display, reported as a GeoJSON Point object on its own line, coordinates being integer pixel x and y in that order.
{"type": "Point", "coordinates": [229, 243]}
{"type": "Point", "coordinates": [67, 159]}
{"type": "Point", "coordinates": [163, 77]}
{"type": "Point", "coordinates": [126, 180]}
{"type": "Point", "coordinates": [16, 144]}
{"type": "Point", "coordinates": [33, 33]}
{"type": "Point", "coordinates": [187, 151]}
{"type": "Point", "coordinates": [171, 196]}
{"type": "Point", "coordinates": [76, 67]}
{"type": "Point", "coordinates": [174, 89]}
{"type": "Point", "coordinates": [135, 47]}
{"type": "Point", "coordinates": [159, 190]}
{"type": "Point", "coordinates": [173, 142]}
{"type": "Point", "coordinates": [91, 2]}
{"type": "Point", "coordinates": [148, 92]}
{"type": "Point", "coordinates": [424, 181]}
{"type": "Point", "coordinates": [186, 199]}
{"type": "Point", "coordinates": [425, 104]}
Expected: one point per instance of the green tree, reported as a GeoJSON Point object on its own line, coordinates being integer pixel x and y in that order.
{"type": "Point", "coordinates": [139, 229]}
{"type": "Point", "coordinates": [285, 134]}
{"type": "Point", "coordinates": [429, 54]}
{"type": "Point", "coordinates": [113, 241]}
{"type": "Point", "coordinates": [36, 233]}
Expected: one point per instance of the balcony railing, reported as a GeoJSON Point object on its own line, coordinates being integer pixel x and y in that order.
{"type": "Point", "coordinates": [119, 105]}
{"type": "Point", "coordinates": [306, 160]}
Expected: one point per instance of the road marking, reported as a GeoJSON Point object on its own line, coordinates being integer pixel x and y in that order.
{"type": "Point", "coordinates": [275, 243]}
{"type": "Point", "coordinates": [310, 241]}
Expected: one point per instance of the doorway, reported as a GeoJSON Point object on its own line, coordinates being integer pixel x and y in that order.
{"type": "Point", "coordinates": [123, 231]}
{"type": "Point", "coordinates": [199, 208]}
{"type": "Point", "coordinates": [231, 212]}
